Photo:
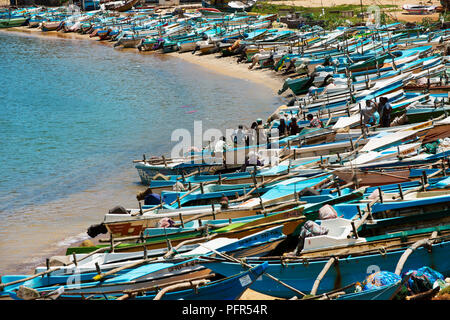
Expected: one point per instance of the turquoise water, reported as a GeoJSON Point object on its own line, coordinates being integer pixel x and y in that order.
{"type": "Point", "coordinates": [75, 114]}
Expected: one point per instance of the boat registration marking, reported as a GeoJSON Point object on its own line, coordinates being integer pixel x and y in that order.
{"type": "Point", "coordinates": [245, 280]}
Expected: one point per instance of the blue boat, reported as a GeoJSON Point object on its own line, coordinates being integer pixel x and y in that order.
{"type": "Point", "coordinates": [346, 270]}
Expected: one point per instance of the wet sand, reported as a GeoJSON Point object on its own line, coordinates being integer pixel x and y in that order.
{"type": "Point", "coordinates": [228, 66]}
{"type": "Point", "coordinates": [92, 211]}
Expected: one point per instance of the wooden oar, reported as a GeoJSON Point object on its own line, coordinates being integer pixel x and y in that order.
{"type": "Point", "coordinates": [322, 273]}
{"type": "Point", "coordinates": [173, 202]}
{"type": "Point", "coordinates": [131, 293]}
{"type": "Point", "coordinates": [128, 266]}
{"type": "Point", "coordinates": [99, 250]}
{"type": "Point", "coordinates": [331, 294]}
{"type": "Point", "coordinates": [174, 249]}
{"type": "Point", "coordinates": [180, 286]}
{"type": "Point", "coordinates": [3, 285]}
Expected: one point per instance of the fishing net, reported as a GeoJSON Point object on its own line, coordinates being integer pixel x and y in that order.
{"type": "Point", "coordinates": [421, 280]}
{"type": "Point", "coordinates": [379, 279]}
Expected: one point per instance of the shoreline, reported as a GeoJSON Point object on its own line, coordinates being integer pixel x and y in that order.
{"type": "Point", "coordinates": [229, 67]}
{"type": "Point", "coordinates": [225, 66]}
{"type": "Point", "coordinates": [212, 62]}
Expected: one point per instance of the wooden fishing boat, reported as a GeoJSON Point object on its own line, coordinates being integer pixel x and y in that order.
{"type": "Point", "coordinates": [418, 9]}
{"type": "Point", "coordinates": [230, 288]}
{"type": "Point", "coordinates": [374, 177]}
{"type": "Point", "coordinates": [147, 171]}
{"type": "Point", "coordinates": [265, 177]}
{"type": "Point", "coordinates": [289, 219]}
{"type": "Point", "coordinates": [50, 25]}
{"type": "Point", "coordinates": [120, 6]}
{"type": "Point", "coordinates": [423, 114]}
{"type": "Point", "coordinates": [85, 270]}
{"type": "Point", "coordinates": [343, 270]}
{"type": "Point", "coordinates": [387, 292]}
{"type": "Point", "coordinates": [12, 22]}
{"type": "Point", "coordinates": [440, 130]}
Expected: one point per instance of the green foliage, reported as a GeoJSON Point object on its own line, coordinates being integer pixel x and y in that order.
{"type": "Point", "coordinates": [266, 8]}
{"type": "Point", "coordinates": [332, 16]}
{"type": "Point", "coordinates": [446, 290]}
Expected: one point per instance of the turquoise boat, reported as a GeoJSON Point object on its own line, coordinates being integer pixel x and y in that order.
{"type": "Point", "coordinates": [302, 274]}
{"type": "Point", "coordinates": [153, 271]}
{"type": "Point", "coordinates": [230, 288]}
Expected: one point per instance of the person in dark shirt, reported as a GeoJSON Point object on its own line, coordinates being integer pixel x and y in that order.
{"type": "Point", "coordinates": [293, 127]}
{"type": "Point", "coordinates": [385, 109]}
{"type": "Point", "coordinates": [282, 128]}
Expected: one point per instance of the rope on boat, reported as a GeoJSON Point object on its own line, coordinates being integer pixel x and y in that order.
{"type": "Point", "coordinates": [232, 259]}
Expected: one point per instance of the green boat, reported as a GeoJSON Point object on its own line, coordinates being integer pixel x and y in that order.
{"type": "Point", "coordinates": [298, 86]}
{"type": "Point", "coordinates": [425, 114]}
{"type": "Point", "coordinates": [368, 64]}
{"type": "Point", "coordinates": [13, 22]}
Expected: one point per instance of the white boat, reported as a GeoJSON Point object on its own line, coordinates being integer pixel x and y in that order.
{"type": "Point", "coordinates": [419, 9]}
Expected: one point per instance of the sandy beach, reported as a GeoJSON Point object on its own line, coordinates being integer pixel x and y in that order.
{"type": "Point", "coordinates": [228, 65]}
{"type": "Point", "coordinates": [213, 62]}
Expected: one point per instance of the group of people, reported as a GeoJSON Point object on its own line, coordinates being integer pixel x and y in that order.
{"type": "Point", "coordinates": [243, 136]}
{"type": "Point", "coordinates": [373, 113]}
{"type": "Point", "coordinates": [256, 134]}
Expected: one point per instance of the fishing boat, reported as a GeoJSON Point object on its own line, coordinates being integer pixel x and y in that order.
{"type": "Point", "coordinates": [289, 220]}
{"type": "Point", "coordinates": [50, 25]}
{"type": "Point", "coordinates": [12, 22]}
{"type": "Point", "coordinates": [230, 288]}
{"type": "Point", "coordinates": [418, 9]}
{"type": "Point", "coordinates": [301, 274]}
{"type": "Point", "coordinates": [119, 6]}
{"type": "Point", "coordinates": [63, 270]}
{"type": "Point", "coordinates": [204, 217]}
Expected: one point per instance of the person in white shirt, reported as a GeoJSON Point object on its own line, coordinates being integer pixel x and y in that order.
{"type": "Point", "coordinates": [220, 145]}
{"type": "Point", "coordinates": [238, 135]}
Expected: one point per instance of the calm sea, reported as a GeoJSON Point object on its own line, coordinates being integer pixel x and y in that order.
{"type": "Point", "coordinates": [74, 115]}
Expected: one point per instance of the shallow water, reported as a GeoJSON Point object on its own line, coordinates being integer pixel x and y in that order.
{"type": "Point", "coordinates": [75, 114]}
